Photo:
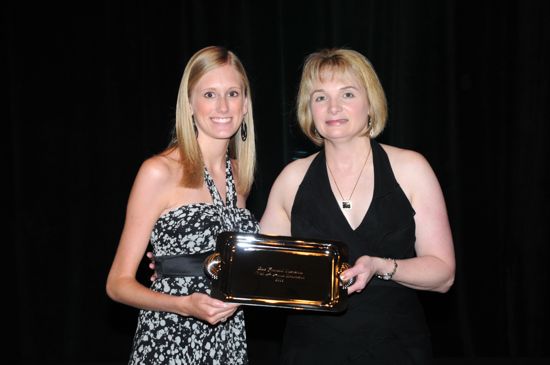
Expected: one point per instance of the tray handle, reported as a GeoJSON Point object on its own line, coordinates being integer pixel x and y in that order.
{"type": "Point", "coordinates": [344, 284]}
{"type": "Point", "coordinates": [213, 265]}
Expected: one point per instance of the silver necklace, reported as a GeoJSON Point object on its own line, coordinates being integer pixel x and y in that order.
{"type": "Point", "coordinates": [346, 203]}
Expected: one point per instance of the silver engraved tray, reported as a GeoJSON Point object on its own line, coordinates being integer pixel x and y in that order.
{"type": "Point", "coordinates": [279, 271]}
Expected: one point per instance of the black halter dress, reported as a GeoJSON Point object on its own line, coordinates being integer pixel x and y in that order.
{"type": "Point", "coordinates": [384, 324]}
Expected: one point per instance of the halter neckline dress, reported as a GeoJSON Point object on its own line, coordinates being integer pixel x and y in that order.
{"type": "Point", "coordinates": [385, 323]}
{"type": "Point", "coordinates": [168, 338]}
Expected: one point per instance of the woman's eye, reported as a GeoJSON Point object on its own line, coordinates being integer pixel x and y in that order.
{"type": "Point", "coordinates": [234, 93]}
{"type": "Point", "coordinates": [348, 95]}
{"type": "Point", "coordinates": [319, 98]}
{"type": "Point", "coordinates": [209, 94]}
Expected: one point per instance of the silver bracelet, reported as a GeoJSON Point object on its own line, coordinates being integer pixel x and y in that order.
{"type": "Point", "coordinates": [388, 275]}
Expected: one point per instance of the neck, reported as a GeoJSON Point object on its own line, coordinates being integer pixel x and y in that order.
{"type": "Point", "coordinates": [349, 155]}
{"type": "Point", "coordinates": [213, 154]}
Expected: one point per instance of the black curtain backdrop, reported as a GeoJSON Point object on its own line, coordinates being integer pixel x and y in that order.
{"type": "Point", "coordinates": [91, 90]}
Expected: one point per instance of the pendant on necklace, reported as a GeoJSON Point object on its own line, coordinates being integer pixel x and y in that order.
{"type": "Point", "coordinates": [346, 204]}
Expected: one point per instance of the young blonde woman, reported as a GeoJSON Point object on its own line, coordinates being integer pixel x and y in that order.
{"type": "Point", "coordinates": [181, 199]}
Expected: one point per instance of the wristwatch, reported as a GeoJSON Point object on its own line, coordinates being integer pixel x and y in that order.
{"type": "Point", "coordinates": [389, 275]}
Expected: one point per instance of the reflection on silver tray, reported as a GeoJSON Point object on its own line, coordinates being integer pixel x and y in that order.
{"type": "Point", "coordinates": [278, 271]}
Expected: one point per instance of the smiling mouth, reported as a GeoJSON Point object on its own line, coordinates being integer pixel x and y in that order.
{"type": "Point", "coordinates": [336, 121]}
{"type": "Point", "coordinates": [221, 120]}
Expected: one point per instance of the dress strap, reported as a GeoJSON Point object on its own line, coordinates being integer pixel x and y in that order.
{"type": "Point", "coordinates": [231, 192]}
{"type": "Point", "coordinates": [214, 193]}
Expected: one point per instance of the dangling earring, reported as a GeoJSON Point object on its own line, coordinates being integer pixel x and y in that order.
{"type": "Point", "coordinates": [195, 126]}
{"type": "Point", "coordinates": [369, 127]}
{"type": "Point", "coordinates": [244, 131]}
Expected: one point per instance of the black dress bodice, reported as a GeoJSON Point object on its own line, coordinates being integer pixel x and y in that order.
{"type": "Point", "coordinates": [384, 324]}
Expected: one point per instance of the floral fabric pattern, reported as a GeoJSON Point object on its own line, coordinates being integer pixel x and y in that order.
{"type": "Point", "coordinates": [168, 338]}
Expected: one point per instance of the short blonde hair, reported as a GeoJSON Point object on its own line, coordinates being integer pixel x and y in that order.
{"type": "Point", "coordinates": [185, 139]}
{"type": "Point", "coordinates": [340, 61]}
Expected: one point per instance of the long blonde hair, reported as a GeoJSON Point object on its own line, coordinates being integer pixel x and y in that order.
{"type": "Point", "coordinates": [340, 60]}
{"type": "Point", "coordinates": [244, 152]}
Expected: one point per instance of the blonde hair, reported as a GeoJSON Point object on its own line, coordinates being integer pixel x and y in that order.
{"type": "Point", "coordinates": [341, 61]}
{"type": "Point", "coordinates": [244, 152]}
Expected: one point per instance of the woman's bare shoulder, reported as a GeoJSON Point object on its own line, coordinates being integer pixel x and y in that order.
{"type": "Point", "coordinates": [412, 170]}
{"type": "Point", "coordinates": [401, 158]}
{"type": "Point", "coordinates": [286, 184]}
{"type": "Point", "coordinates": [298, 167]}
{"type": "Point", "coordinates": [161, 169]}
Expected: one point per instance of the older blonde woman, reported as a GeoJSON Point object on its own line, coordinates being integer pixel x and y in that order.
{"type": "Point", "coordinates": [383, 201]}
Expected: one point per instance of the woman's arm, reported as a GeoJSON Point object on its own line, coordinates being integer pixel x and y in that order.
{"type": "Point", "coordinates": [146, 203]}
{"type": "Point", "coordinates": [433, 268]}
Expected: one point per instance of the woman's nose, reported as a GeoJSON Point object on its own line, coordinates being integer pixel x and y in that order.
{"type": "Point", "coordinates": [334, 106]}
{"type": "Point", "coordinates": [222, 105]}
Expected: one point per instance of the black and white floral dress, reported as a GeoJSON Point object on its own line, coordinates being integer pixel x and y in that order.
{"type": "Point", "coordinates": [168, 338]}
